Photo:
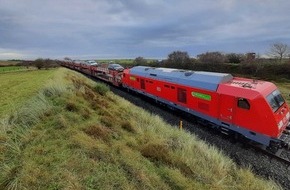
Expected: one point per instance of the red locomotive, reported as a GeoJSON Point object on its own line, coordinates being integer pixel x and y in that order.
{"type": "Point", "coordinates": [237, 106]}
{"type": "Point", "coordinates": [252, 109]}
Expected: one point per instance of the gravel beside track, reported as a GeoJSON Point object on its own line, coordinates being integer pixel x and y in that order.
{"type": "Point", "coordinates": [242, 154]}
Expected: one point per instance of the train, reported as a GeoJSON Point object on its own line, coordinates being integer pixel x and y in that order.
{"type": "Point", "coordinates": [238, 107]}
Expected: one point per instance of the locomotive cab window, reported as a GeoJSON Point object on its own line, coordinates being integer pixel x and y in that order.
{"type": "Point", "coordinates": [275, 100]}
{"type": "Point", "coordinates": [243, 103]}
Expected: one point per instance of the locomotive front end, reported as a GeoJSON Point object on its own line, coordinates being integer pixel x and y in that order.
{"type": "Point", "coordinates": [280, 110]}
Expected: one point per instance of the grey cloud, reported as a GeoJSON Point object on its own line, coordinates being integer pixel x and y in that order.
{"type": "Point", "coordinates": [130, 28]}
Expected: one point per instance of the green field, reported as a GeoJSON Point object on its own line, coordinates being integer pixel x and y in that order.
{"type": "Point", "coordinates": [122, 62]}
{"type": "Point", "coordinates": [13, 68]}
{"type": "Point", "coordinates": [76, 134]}
{"type": "Point", "coordinates": [18, 87]}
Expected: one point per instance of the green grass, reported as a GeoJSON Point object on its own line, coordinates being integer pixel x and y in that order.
{"type": "Point", "coordinates": [123, 62]}
{"type": "Point", "coordinates": [17, 87]}
{"type": "Point", "coordinates": [119, 61]}
{"type": "Point", "coordinates": [13, 68]}
{"type": "Point", "coordinates": [284, 88]}
{"type": "Point", "coordinates": [76, 134]}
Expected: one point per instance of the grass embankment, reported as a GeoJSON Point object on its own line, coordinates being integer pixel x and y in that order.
{"type": "Point", "coordinates": [17, 87]}
{"type": "Point", "coordinates": [75, 134]}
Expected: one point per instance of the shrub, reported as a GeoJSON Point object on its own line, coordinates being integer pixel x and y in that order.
{"type": "Point", "coordinates": [98, 132]}
{"type": "Point", "coordinates": [71, 106]}
{"type": "Point", "coordinates": [102, 89]}
{"type": "Point", "coordinates": [44, 63]}
{"type": "Point", "coordinates": [156, 153]}
{"type": "Point", "coordinates": [128, 127]}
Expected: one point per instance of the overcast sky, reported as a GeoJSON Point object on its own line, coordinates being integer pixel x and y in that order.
{"type": "Point", "coordinates": [95, 29]}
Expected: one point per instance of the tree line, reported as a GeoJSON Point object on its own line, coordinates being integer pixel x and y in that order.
{"type": "Point", "coordinates": [41, 63]}
{"type": "Point", "coordinates": [275, 67]}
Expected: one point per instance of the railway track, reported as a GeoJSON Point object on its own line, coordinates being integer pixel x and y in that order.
{"type": "Point", "coordinates": [283, 155]}
{"type": "Point", "coordinates": [280, 153]}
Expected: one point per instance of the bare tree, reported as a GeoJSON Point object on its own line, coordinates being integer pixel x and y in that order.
{"type": "Point", "coordinates": [45, 63]}
{"type": "Point", "coordinates": [279, 51]}
{"type": "Point", "coordinates": [39, 63]}
{"type": "Point", "coordinates": [234, 57]}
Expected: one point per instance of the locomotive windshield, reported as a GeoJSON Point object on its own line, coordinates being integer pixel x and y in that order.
{"type": "Point", "coordinates": [275, 100]}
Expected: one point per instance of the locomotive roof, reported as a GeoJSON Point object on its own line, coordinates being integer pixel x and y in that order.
{"type": "Point", "coordinates": [198, 79]}
{"type": "Point", "coordinates": [247, 88]}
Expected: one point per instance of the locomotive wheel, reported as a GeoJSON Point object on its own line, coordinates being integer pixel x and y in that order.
{"type": "Point", "coordinates": [274, 147]}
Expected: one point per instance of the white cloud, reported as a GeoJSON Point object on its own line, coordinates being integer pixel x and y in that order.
{"type": "Point", "coordinates": [6, 54]}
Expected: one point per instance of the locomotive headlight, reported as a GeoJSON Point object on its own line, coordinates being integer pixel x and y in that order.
{"type": "Point", "coordinates": [280, 124]}
{"type": "Point", "coordinates": [288, 115]}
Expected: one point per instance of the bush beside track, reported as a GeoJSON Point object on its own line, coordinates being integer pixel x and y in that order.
{"type": "Point", "coordinates": [76, 134]}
